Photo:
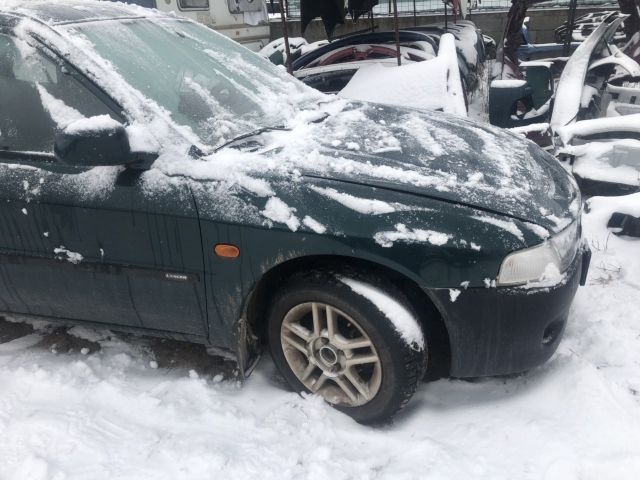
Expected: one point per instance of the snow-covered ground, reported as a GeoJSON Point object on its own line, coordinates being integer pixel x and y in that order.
{"type": "Point", "coordinates": [133, 408]}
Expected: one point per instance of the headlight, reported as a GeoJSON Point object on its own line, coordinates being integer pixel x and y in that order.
{"type": "Point", "coordinates": [549, 259]}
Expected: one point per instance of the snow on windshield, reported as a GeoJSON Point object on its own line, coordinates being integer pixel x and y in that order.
{"type": "Point", "coordinates": [216, 88]}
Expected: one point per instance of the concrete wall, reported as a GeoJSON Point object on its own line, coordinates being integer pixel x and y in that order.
{"type": "Point", "coordinates": [542, 24]}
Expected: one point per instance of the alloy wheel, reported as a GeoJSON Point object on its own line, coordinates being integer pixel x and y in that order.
{"type": "Point", "coordinates": [331, 354]}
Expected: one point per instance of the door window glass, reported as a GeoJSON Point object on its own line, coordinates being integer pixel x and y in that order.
{"type": "Point", "coordinates": [194, 4]}
{"type": "Point", "coordinates": [143, 3]}
{"type": "Point", "coordinates": [37, 98]}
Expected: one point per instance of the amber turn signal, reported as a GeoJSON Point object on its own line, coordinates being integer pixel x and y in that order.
{"type": "Point", "coordinates": [227, 251]}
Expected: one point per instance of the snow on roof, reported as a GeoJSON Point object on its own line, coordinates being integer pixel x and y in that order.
{"type": "Point", "coordinates": [55, 12]}
{"type": "Point", "coordinates": [432, 84]}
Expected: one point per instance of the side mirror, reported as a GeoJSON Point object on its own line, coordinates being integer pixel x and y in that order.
{"type": "Point", "coordinates": [95, 141]}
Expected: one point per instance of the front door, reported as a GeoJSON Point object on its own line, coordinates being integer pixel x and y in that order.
{"type": "Point", "coordinates": [87, 244]}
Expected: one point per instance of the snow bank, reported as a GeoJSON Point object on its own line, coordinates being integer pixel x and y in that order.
{"type": "Point", "coordinates": [402, 320]}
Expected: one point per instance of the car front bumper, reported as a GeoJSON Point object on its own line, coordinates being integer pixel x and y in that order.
{"type": "Point", "coordinates": [505, 330]}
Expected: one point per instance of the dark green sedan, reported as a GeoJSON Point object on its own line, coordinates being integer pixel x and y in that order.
{"type": "Point", "coordinates": [158, 178]}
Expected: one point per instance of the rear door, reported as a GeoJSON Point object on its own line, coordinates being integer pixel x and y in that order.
{"type": "Point", "coordinates": [88, 244]}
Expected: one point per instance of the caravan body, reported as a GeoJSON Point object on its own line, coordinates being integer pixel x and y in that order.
{"type": "Point", "coordinates": [245, 21]}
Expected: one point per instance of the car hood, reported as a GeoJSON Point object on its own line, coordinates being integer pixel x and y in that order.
{"type": "Point", "coordinates": [410, 152]}
{"type": "Point", "coordinates": [439, 156]}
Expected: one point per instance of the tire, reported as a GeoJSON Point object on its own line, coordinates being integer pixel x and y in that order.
{"type": "Point", "coordinates": [313, 359]}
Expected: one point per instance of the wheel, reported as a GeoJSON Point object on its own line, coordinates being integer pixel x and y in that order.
{"type": "Point", "coordinates": [329, 340]}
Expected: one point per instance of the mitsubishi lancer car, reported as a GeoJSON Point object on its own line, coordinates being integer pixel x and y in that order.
{"type": "Point", "coordinates": [159, 179]}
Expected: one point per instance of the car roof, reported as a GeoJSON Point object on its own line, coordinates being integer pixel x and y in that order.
{"type": "Point", "coordinates": [68, 11]}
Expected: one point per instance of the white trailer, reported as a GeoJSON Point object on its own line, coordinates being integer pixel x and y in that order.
{"type": "Point", "coordinates": [245, 21]}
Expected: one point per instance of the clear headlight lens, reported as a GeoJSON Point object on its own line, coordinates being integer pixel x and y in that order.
{"type": "Point", "coordinates": [550, 258]}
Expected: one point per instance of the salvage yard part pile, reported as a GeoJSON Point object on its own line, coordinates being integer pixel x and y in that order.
{"type": "Point", "coordinates": [542, 98]}
{"type": "Point", "coordinates": [583, 109]}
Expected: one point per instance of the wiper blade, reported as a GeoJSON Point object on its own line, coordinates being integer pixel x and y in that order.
{"type": "Point", "coordinates": [250, 134]}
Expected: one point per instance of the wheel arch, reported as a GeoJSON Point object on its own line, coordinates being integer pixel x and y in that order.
{"type": "Point", "coordinates": [430, 317]}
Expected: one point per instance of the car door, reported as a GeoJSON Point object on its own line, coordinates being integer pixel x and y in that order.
{"type": "Point", "coordinates": [82, 243]}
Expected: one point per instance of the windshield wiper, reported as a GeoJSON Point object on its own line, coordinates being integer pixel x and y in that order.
{"type": "Point", "coordinates": [250, 134]}
{"type": "Point", "coordinates": [261, 130]}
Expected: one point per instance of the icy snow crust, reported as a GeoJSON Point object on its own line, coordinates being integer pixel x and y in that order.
{"type": "Point", "coordinates": [110, 415]}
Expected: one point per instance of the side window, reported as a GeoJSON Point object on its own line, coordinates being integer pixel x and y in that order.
{"type": "Point", "coordinates": [37, 98]}
{"type": "Point", "coordinates": [143, 3]}
{"type": "Point", "coordinates": [193, 4]}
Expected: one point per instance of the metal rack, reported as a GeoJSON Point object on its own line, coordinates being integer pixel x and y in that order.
{"type": "Point", "coordinates": [411, 7]}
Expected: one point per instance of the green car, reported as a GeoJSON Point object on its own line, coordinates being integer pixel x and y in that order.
{"type": "Point", "coordinates": [158, 178]}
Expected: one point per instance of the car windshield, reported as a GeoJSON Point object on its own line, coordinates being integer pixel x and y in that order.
{"type": "Point", "coordinates": [205, 81]}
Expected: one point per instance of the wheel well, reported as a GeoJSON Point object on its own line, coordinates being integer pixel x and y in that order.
{"type": "Point", "coordinates": [429, 316]}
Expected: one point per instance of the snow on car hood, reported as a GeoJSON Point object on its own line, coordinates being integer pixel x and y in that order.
{"type": "Point", "coordinates": [445, 157]}
{"type": "Point", "coordinates": [417, 152]}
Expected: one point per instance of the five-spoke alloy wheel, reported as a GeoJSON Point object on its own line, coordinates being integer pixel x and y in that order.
{"type": "Point", "coordinates": [330, 354]}
{"type": "Point", "coordinates": [328, 340]}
